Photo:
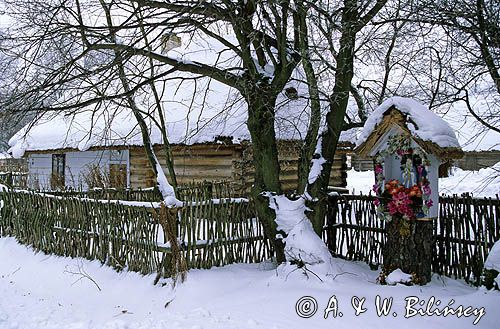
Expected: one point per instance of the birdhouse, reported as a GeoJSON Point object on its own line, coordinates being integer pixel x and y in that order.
{"type": "Point", "coordinates": [170, 41]}
{"type": "Point", "coordinates": [408, 144]}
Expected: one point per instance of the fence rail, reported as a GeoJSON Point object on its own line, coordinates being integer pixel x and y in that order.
{"type": "Point", "coordinates": [464, 233]}
{"type": "Point", "coordinates": [140, 195]}
{"type": "Point", "coordinates": [200, 191]}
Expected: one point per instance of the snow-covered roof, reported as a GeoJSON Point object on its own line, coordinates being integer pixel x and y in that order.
{"type": "Point", "coordinates": [117, 126]}
{"type": "Point", "coordinates": [4, 155]}
{"type": "Point", "coordinates": [420, 121]}
{"type": "Point", "coordinates": [196, 111]}
{"type": "Point", "coordinates": [189, 121]}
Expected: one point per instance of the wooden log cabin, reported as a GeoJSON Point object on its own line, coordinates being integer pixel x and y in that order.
{"type": "Point", "coordinates": [128, 166]}
{"type": "Point", "coordinates": [229, 162]}
{"type": "Point", "coordinates": [104, 147]}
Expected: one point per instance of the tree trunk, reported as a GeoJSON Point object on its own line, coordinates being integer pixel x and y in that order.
{"type": "Point", "coordinates": [409, 248]}
{"type": "Point", "coordinates": [308, 145]}
{"type": "Point", "coordinates": [167, 149]}
{"type": "Point", "coordinates": [335, 118]}
{"type": "Point", "coordinates": [260, 123]}
{"type": "Point", "coordinates": [165, 188]}
{"type": "Point", "coordinates": [482, 41]}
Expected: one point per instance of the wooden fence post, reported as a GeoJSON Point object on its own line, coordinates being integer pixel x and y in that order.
{"type": "Point", "coordinates": [173, 263]}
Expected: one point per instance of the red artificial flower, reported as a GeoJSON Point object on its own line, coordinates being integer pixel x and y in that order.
{"type": "Point", "coordinates": [400, 204]}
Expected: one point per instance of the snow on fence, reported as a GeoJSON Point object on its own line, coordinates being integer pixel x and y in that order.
{"type": "Point", "coordinates": [209, 233]}
{"type": "Point", "coordinates": [140, 195]}
{"type": "Point", "coordinates": [113, 234]}
{"type": "Point", "coordinates": [221, 231]}
{"type": "Point", "coordinates": [14, 178]}
{"type": "Point", "coordinates": [201, 191]}
{"type": "Point", "coordinates": [464, 233]}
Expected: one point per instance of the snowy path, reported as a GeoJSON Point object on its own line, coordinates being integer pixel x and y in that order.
{"type": "Point", "coordinates": [38, 292]}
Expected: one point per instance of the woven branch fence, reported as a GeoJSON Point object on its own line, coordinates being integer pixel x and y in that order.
{"type": "Point", "coordinates": [464, 233]}
{"type": "Point", "coordinates": [217, 232]}
{"type": "Point", "coordinates": [209, 233]}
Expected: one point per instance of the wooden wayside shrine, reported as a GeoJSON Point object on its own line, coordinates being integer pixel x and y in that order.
{"type": "Point", "coordinates": [406, 165]}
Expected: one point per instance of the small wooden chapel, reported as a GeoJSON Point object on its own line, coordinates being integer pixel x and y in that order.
{"type": "Point", "coordinates": [410, 146]}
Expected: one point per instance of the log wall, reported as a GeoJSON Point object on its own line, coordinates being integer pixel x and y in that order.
{"type": "Point", "coordinates": [288, 153]}
{"type": "Point", "coordinates": [470, 161]}
{"type": "Point", "coordinates": [218, 162]}
{"type": "Point", "coordinates": [195, 163]}
{"type": "Point", "coordinates": [478, 160]}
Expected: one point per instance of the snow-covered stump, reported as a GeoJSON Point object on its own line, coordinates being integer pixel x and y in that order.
{"type": "Point", "coordinates": [304, 249]}
{"type": "Point", "coordinates": [408, 143]}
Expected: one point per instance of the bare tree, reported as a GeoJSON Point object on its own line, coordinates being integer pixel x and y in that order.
{"type": "Point", "coordinates": [433, 51]}
{"type": "Point", "coordinates": [354, 16]}
{"type": "Point", "coordinates": [111, 51]}
{"type": "Point", "coordinates": [66, 75]}
{"type": "Point", "coordinates": [263, 53]}
{"type": "Point", "coordinates": [467, 32]}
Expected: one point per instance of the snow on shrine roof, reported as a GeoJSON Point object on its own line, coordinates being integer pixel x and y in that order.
{"type": "Point", "coordinates": [420, 121]}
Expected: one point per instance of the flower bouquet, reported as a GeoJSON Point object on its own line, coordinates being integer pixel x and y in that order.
{"type": "Point", "coordinates": [398, 201]}
{"type": "Point", "coordinates": [405, 200]}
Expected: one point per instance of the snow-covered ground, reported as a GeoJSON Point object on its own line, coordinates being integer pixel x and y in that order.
{"type": "Point", "coordinates": [482, 183]}
{"type": "Point", "coordinates": [40, 291]}
{"type": "Point", "coordinates": [485, 182]}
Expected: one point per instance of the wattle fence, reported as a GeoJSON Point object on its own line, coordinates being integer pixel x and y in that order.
{"type": "Point", "coordinates": [131, 235]}
{"type": "Point", "coordinates": [464, 233]}
{"type": "Point", "coordinates": [211, 230]}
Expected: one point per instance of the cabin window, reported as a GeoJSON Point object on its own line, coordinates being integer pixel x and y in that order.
{"type": "Point", "coordinates": [58, 165]}
{"type": "Point", "coordinates": [116, 156]}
